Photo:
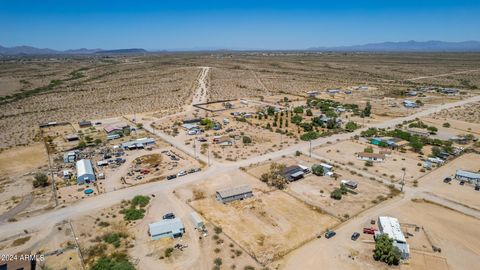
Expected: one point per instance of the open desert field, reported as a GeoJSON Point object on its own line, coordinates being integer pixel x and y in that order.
{"type": "Point", "coordinates": [43, 90]}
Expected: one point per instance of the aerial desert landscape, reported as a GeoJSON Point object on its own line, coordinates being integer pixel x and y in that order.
{"type": "Point", "coordinates": [233, 135]}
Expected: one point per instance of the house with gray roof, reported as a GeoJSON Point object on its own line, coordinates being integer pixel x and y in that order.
{"type": "Point", "coordinates": [234, 193]}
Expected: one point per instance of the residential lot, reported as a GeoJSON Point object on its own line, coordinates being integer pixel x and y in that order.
{"type": "Point", "coordinates": [345, 153]}
{"type": "Point", "coordinates": [466, 194]}
{"type": "Point", "coordinates": [268, 225]}
{"type": "Point", "coordinates": [316, 190]}
{"type": "Point", "coordinates": [458, 245]}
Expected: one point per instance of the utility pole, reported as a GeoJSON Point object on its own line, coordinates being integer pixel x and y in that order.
{"type": "Point", "coordinates": [76, 243]}
{"type": "Point", "coordinates": [403, 179]}
{"type": "Point", "coordinates": [310, 148]}
{"type": "Point", "coordinates": [194, 148]}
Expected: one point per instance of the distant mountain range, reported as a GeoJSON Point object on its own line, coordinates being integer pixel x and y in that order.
{"type": "Point", "coordinates": [28, 50]}
{"type": "Point", "coordinates": [408, 46]}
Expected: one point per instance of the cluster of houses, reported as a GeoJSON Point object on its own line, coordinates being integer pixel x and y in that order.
{"type": "Point", "coordinates": [392, 143]}
{"type": "Point", "coordinates": [471, 177]}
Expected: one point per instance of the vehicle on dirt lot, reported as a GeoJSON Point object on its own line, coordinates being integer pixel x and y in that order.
{"type": "Point", "coordinates": [355, 236]}
{"type": "Point", "coordinates": [447, 180]}
{"type": "Point", "coordinates": [172, 176]}
{"type": "Point", "coordinates": [369, 230]}
{"type": "Point", "coordinates": [182, 173]}
{"type": "Point", "coordinates": [330, 234]}
{"type": "Point", "coordinates": [169, 216]}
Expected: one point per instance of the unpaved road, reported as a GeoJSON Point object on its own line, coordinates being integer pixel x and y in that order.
{"type": "Point", "coordinates": [106, 200]}
{"type": "Point", "coordinates": [443, 75]}
{"type": "Point", "coordinates": [26, 201]}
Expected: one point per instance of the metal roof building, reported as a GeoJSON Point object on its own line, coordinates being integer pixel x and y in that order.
{"type": "Point", "coordinates": [197, 220]}
{"type": "Point", "coordinates": [468, 176]}
{"type": "Point", "coordinates": [166, 228]}
{"type": "Point", "coordinates": [233, 194]}
{"type": "Point", "coordinates": [138, 143]}
{"type": "Point", "coordinates": [85, 173]}
{"type": "Point", "coordinates": [391, 227]}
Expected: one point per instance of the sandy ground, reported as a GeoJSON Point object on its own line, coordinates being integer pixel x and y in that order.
{"type": "Point", "coordinates": [391, 168]}
{"type": "Point", "coordinates": [466, 195]}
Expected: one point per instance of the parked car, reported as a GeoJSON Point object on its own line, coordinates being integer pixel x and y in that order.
{"type": "Point", "coordinates": [330, 234]}
{"type": "Point", "coordinates": [191, 171]}
{"type": "Point", "coordinates": [447, 180]}
{"type": "Point", "coordinates": [477, 187]}
{"type": "Point", "coordinates": [172, 176]}
{"type": "Point", "coordinates": [169, 216]}
{"type": "Point", "coordinates": [202, 140]}
{"type": "Point", "coordinates": [369, 230]}
{"type": "Point", "coordinates": [182, 173]}
{"type": "Point", "coordinates": [462, 183]}
{"type": "Point", "coordinates": [355, 236]}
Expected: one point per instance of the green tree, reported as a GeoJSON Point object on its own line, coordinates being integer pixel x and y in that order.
{"type": "Point", "coordinates": [416, 144]}
{"type": "Point", "coordinates": [82, 144]}
{"type": "Point", "coordinates": [368, 149]}
{"type": "Point", "coordinates": [336, 194]}
{"type": "Point", "coordinates": [317, 170]}
{"type": "Point", "coordinates": [385, 251]}
{"type": "Point", "coordinates": [309, 112]}
{"type": "Point", "coordinates": [298, 109]}
{"type": "Point", "coordinates": [98, 141]}
{"type": "Point", "coordinates": [140, 200]}
{"type": "Point", "coordinates": [367, 111]}
{"type": "Point", "coordinates": [351, 126]}
{"type": "Point", "coordinates": [297, 119]}
{"type": "Point", "coordinates": [40, 180]}
{"type": "Point", "coordinates": [446, 125]}
{"type": "Point", "coordinates": [246, 139]}
{"type": "Point", "coordinates": [432, 130]}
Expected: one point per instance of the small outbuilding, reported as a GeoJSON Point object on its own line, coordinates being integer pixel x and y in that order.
{"type": "Point", "coordinates": [166, 228]}
{"type": "Point", "coordinates": [293, 173]}
{"type": "Point", "coordinates": [197, 220]}
{"type": "Point", "coordinates": [234, 193]}
{"type": "Point", "coordinates": [84, 124]}
{"type": "Point", "coordinates": [85, 173]}
{"type": "Point", "coordinates": [371, 157]}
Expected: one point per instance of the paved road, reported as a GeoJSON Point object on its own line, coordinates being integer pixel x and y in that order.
{"type": "Point", "coordinates": [102, 201]}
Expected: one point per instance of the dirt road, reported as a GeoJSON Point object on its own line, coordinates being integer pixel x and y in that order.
{"type": "Point", "coordinates": [443, 75]}
{"type": "Point", "coordinates": [26, 201]}
{"type": "Point", "coordinates": [106, 200]}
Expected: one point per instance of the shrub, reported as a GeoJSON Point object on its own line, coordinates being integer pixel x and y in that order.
{"type": "Point", "coordinates": [40, 180]}
{"type": "Point", "coordinates": [246, 139]}
{"type": "Point", "coordinates": [298, 153]}
{"type": "Point", "coordinates": [115, 261]}
{"type": "Point", "coordinates": [133, 214]}
{"type": "Point", "coordinates": [217, 230]}
{"type": "Point", "coordinates": [140, 200]}
{"type": "Point", "coordinates": [218, 261]}
{"type": "Point", "coordinates": [336, 194]}
{"type": "Point", "coordinates": [168, 252]}
{"type": "Point", "coordinates": [298, 110]}
{"type": "Point", "coordinates": [446, 125]}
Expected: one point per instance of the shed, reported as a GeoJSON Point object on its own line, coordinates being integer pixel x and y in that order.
{"type": "Point", "coordinates": [85, 173]}
{"type": "Point", "coordinates": [234, 193]}
{"type": "Point", "coordinates": [166, 228]}
{"type": "Point", "coordinates": [293, 173]}
{"type": "Point", "coordinates": [197, 220]}
{"type": "Point", "coordinates": [371, 156]}
{"type": "Point", "coordinates": [84, 123]}
{"type": "Point", "coordinates": [72, 138]}
{"type": "Point", "coordinates": [349, 183]}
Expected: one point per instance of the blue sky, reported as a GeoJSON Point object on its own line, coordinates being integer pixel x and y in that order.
{"type": "Point", "coordinates": [232, 24]}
